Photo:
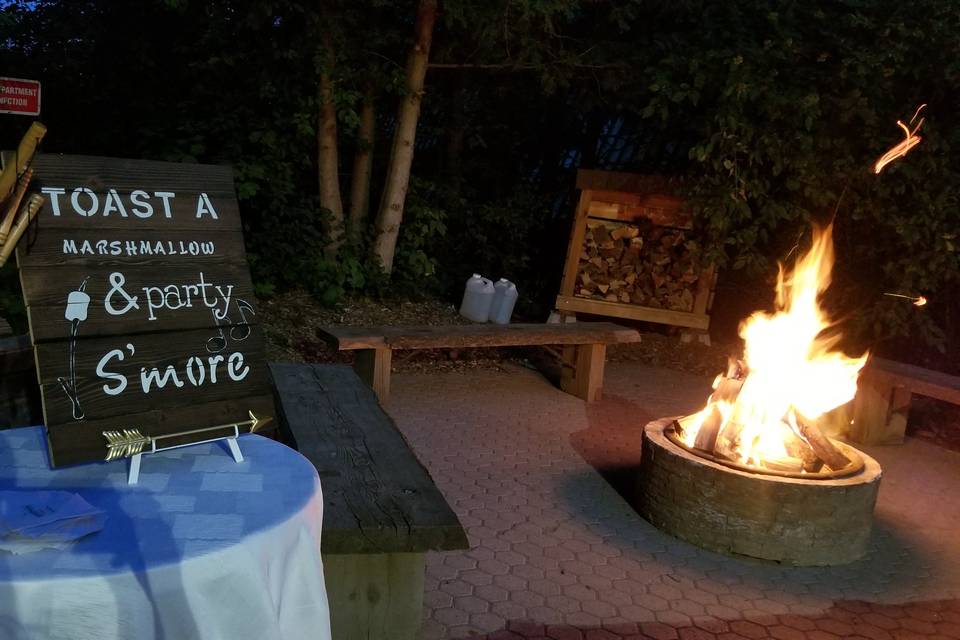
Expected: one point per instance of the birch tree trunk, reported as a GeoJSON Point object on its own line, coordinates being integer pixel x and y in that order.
{"type": "Point", "coordinates": [362, 164]}
{"type": "Point", "coordinates": [327, 165]}
{"type": "Point", "coordinates": [390, 211]}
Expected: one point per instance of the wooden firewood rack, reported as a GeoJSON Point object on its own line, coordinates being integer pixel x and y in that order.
{"type": "Point", "coordinates": [629, 198]}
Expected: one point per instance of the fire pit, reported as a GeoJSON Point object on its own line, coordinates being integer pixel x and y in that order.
{"type": "Point", "coordinates": [794, 520]}
{"type": "Point", "coordinates": [755, 472]}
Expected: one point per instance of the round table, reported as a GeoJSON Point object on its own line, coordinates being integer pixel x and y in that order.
{"type": "Point", "coordinates": [203, 547]}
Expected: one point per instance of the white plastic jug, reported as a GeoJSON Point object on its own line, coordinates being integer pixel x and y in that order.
{"type": "Point", "coordinates": [477, 298]}
{"type": "Point", "coordinates": [504, 297]}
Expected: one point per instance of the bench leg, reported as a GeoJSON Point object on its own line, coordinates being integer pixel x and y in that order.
{"type": "Point", "coordinates": [375, 596]}
{"type": "Point", "coordinates": [373, 367]}
{"type": "Point", "coordinates": [880, 411]}
{"type": "Point", "coordinates": [585, 378]}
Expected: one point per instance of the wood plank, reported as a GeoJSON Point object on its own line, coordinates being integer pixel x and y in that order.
{"type": "Point", "coordinates": [99, 175]}
{"type": "Point", "coordinates": [585, 378]}
{"type": "Point", "coordinates": [344, 338]}
{"type": "Point", "coordinates": [871, 411]}
{"type": "Point", "coordinates": [627, 182]}
{"type": "Point", "coordinates": [202, 296]}
{"type": "Point", "coordinates": [491, 335]}
{"type": "Point", "coordinates": [153, 352]}
{"type": "Point", "coordinates": [661, 209]}
{"type": "Point", "coordinates": [373, 367]}
{"type": "Point", "coordinates": [926, 382]}
{"type": "Point", "coordinates": [92, 248]}
{"type": "Point", "coordinates": [374, 596]}
{"type": "Point", "coordinates": [482, 335]}
{"type": "Point", "coordinates": [898, 415]}
{"type": "Point", "coordinates": [569, 282]}
{"type": "Point", "coordinates": [378, 498]}
{"type": "Point", "coordinates": [633, 312]}
{"type": "Point", "coordinates": [705, 288]}
{"type": "Point", "coordinates": [96, 172]}
{"type": "Point", "coordinates": [69, 445]}
{"type": "Point", "coordinates": [176, 211]}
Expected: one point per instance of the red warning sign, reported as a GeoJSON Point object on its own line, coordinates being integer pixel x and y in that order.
{"type": "Point", "coordinates": [20, 96]}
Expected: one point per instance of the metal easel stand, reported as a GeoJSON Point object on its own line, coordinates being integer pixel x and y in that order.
{"type": "Point", "coordinates": [131, 443]}
{"type": "Point", "coordinates": [133, 476]}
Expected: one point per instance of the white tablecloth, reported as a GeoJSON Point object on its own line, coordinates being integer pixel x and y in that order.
{"type": "Point", "coordinates": [202, 547]}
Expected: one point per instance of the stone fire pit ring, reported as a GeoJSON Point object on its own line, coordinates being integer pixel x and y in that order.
{"type": "Point", "coordinates": [796, 521]}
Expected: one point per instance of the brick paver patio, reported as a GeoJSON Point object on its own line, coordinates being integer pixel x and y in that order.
{"type": "Point", "coordinates": [557, 553]}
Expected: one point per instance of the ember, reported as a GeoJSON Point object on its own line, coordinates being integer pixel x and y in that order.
{"type": "Point", "coordinates": [903, 148]}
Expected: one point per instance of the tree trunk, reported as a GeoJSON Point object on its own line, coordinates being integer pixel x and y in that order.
{"type": "Point", "coordinates": [362, 164]}
{"type": "Point", "coordinates": [327, 158]}
{"type": "Point", "coordinates": [390, 212]}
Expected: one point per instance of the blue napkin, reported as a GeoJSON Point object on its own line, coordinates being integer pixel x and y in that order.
{"type": "Point", "coordinates": [34, 520]}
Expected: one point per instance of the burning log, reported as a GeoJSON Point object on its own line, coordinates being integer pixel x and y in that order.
{"type": "Point", "coordinates": [727, 388]}
{"type": "Point", "coordinates": [821, 445]}
{"type": "Point", "coordinates": [784, 465]}
{"type": "Point", "coordinates": [706, 439]}
{"type": "Point", "coordinates": [681, 425]}
{"type": "Point", "coordinates": [798, 448]}
{"type": "Point", "coordinates": [807, 448]}
{"type": "Point", "coordinates": [736, 369]}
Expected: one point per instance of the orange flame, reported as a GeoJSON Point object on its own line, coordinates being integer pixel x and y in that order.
{"type": "Point", "coordinates": [903, 148]}
{"type": "Point", "coordinates": [794, 371]}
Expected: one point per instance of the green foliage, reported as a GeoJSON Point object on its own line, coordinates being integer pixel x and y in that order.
{"type": "Point", "coordinates": [453, 233]}
{"type": "Point", "coordinates": [787, 105]}
{"type": "Point", "coordinates": [423, 233]}
{"type": "Point", "coordinates": [772, 111]}
{"type": "Point", "coordinates": [287, 251]}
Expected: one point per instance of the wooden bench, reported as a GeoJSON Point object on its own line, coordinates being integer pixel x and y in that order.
{"type": "Point", "coordinates": [382, 511]}
{"type": "Point", "coordinates": [882, 405]}
{"type": "Point", "coordinates": [584, 356]}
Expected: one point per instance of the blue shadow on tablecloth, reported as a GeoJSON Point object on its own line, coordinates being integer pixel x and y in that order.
{"type": "Point", "coordinates": [189, 502]}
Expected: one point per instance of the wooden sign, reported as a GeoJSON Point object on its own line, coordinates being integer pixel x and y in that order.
{"type": "Point", "coordinates": [20, 96]}
{"type": "Point", "coordinates": [140, 302]}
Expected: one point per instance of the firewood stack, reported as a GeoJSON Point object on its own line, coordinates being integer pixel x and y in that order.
{"type": "Point", "coordinates": [639, 264]}
{"type": "Point", "coordinates": [808, 448]}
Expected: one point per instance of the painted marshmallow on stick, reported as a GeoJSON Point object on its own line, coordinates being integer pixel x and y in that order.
{"type": "Point", "coordinates": [76, 312]}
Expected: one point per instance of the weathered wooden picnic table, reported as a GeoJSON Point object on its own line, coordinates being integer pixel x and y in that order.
{"type": "Point", "coordinates": [382, 510]}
